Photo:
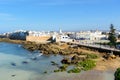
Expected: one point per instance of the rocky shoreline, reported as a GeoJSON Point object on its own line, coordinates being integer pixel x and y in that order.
{"type": "Point", "coordinates": [72, 55]}
{"type": "Point", "coordinates": [81, 58]}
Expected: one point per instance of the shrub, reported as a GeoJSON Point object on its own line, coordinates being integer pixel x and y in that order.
{"type": "Point", "coordinates": [74, 70]}
{"type": "Point", "coordinates": [87, 64]}
{"type": "Point", "coordinates": [117, 74]}
{"type": "Point", "coordinates": [92, 56]}
{"type": "Point", "coordinates": [57, 70]}
{"type": "Point", "coordinates": [62, 68]}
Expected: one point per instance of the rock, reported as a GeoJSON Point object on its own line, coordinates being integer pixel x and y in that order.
{"type": "Point", "coordinates": [78, 58]}
{"type": "Point", "coordinates": [34, 58]}
{"type": "Point", "coordinates": [113, 56]}
{"type": "Point", "coordinates": [75, 57]}
{"type": "Point", "coordinates": [66, 61]}
{"type": "Point", "coordinates": [54, 63]}
{"type": "Point", "coordinates": [82, 57]}
{"type": "Point", "coordinates": [45, 72]}
{"type": "Point", "coordinates": [24, 62]}
{"type": "Point", "coordinates": [13, 64]}
{"type": "Point", "coordinates": [13, 75]}
{"type": "Point", "coordinates": [110, 56]}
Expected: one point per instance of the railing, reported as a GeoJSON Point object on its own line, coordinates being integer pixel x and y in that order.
{"type": "Point", "coordinates": [106, 47]}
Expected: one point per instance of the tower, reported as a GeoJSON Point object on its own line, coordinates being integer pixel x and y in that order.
{"type": "Point", "coordinates": [60, 31]}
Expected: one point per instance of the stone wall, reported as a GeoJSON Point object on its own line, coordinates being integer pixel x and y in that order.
{"type": "Point", "coordinates": [38, 38]}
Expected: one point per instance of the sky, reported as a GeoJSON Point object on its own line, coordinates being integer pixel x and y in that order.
{"type": "Point", "coordinates": [51, 15]}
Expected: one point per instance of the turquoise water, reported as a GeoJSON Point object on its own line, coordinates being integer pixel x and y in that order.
{"type": "Point", "coordinates": [12, 57]}
{"type": "Point", "coordinates": [12, 67]}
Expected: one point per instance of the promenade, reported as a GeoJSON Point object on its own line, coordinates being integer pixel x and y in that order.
{"type": "Point", "coordinates": [104, 48]}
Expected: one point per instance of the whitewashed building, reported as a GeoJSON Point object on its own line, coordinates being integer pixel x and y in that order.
{"type": "Point", "coordinates": [61, 38]}
{"type": "Point", "coordinates": [89, 35]}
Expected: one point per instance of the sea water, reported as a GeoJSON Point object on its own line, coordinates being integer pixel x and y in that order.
{"type": "Point", "coordinates": [17, 63]}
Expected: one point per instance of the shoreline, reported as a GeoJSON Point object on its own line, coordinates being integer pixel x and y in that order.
{"type": "Point", "coordinates": [12, 41]}
{"type": "Point", "coordinates": [86, 75]}
{"type": "Point", "coordinates": [101, 63]}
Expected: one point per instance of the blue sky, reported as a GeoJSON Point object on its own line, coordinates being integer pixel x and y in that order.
{"type": "Point", "coordinates": [69, 15]}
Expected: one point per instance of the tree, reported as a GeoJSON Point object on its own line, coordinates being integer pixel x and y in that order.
{"type": "Point", "coordinates": [112, 36]}
{"type": "Point", "coordinates": [117, 74]}
{"type": "Point", "coordinates": [119, 36]}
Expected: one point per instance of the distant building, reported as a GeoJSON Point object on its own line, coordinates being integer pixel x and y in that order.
{"type": "Point", "coordinates": [89, 36]}
{"type": "Point", "coordinates": [18, 35]}
{"type": "Point", "coordinates": [61, 38]}
{"type": "Point", "coordinates": [60, 31]}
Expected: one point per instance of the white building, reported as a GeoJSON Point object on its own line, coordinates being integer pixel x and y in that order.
{"type": "Point", "coordinates": [61, 38]}
{"type": "Point", "coordinates": [89, 36]}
